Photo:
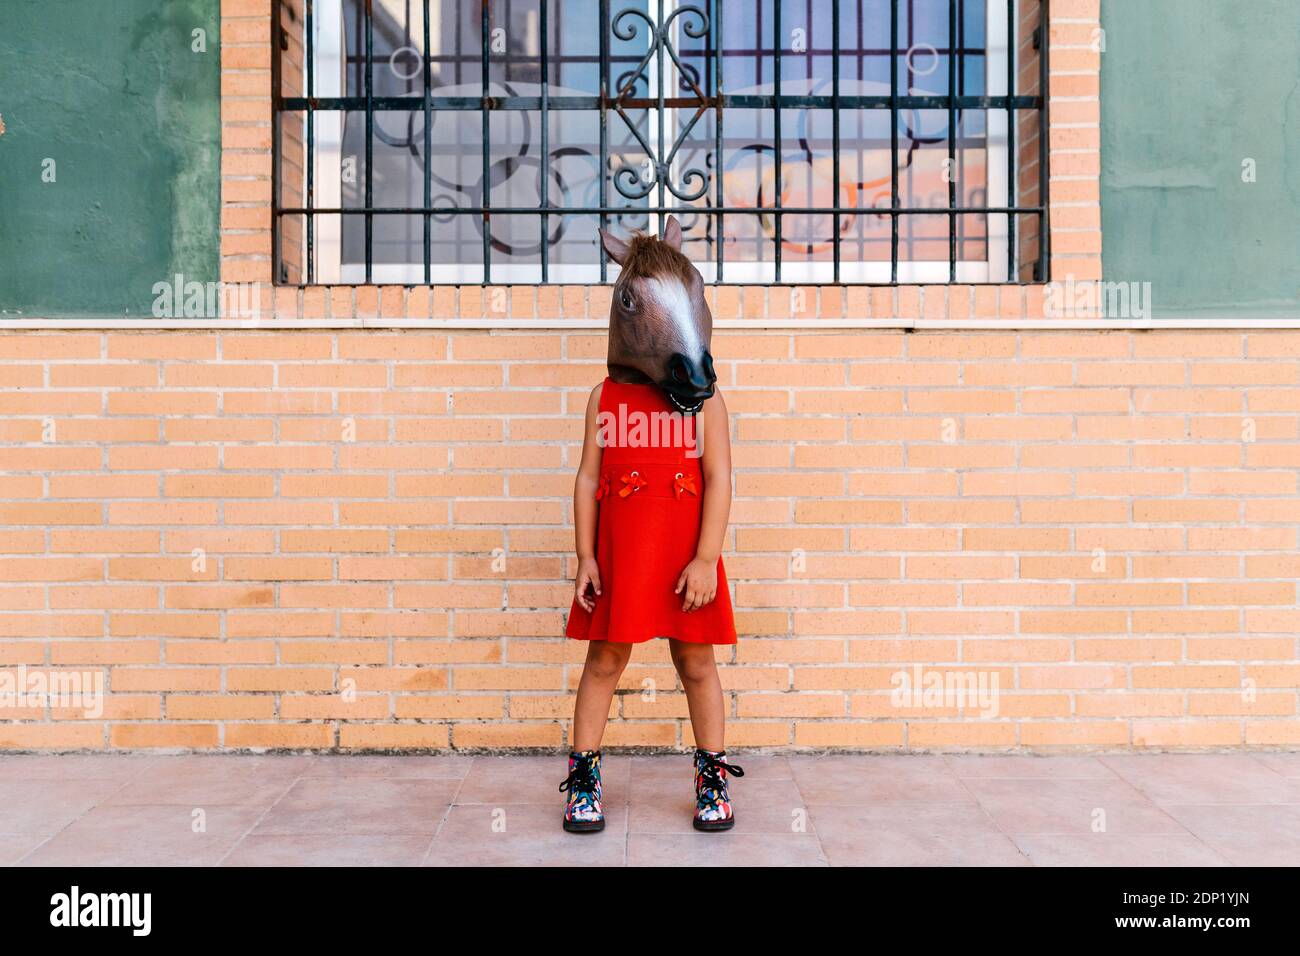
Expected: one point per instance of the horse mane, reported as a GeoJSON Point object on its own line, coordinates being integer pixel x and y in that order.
{"type": "Point", "coordinates": [648, 256]}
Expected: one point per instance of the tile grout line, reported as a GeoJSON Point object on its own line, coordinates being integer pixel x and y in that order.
{"type": "Point", "coordinates": [446, 814]}
{"type": "Point", "coordinates": [262, 816]}
{"type": "Point", "coordinates": [627, 818]}
{"type": "Point", "coordinates": [93, 806]}
{"type": "Point", "coordinates": [817, 835]}
{"type": "Point", "coordinates": [985, 810]}
{"type": "Point", "coordinates": [1145, 796]}
{"type": "Point", "coordinates": [1193, 834]}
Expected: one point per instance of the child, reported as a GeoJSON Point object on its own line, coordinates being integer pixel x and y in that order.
{"type": "Point", "coordinates": [650, 512]}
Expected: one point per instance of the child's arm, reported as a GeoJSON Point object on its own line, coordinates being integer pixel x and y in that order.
{"type": "Point", "coordinates": [699, 580]}
{"type": "Point", "coordinates": [584, 508]}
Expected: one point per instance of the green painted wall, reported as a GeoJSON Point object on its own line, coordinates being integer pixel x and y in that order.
{"type": "Point", "coordinates": [112, 91]}
{"type": "Point", "coordinates": [114, 94]}
{"type": "Point", "coordinates": [1190, 89]}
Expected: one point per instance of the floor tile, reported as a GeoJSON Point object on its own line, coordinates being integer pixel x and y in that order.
{"type": "Point", "coordinates": [44, 806]}
{"type": "Point", "coordinates": [1288, 765]}
{"type": "Point", "coordinates": [1069, 807]}
{"type": "Point", "coordinates": [332, 850]}
{"type": "Point", "coordinates": [146, 836]}
{"type": "Point", "coordinates": [1204, 778]}
{"type": "Point", "coordinates": [78, 766]}
{"type": "Point", "coordinates": [207, 782]}
{"type": "Point", "coordinates": [525, 835]}
{"type": "Point", "coordinates": [1052, 768]}
{"type": "Point", "coordinates": [937, 835]}
{"type": "Point", "coordinates": [860, 781]}
{"type": "Point", "coordinates": [416, 766]}
{"type": "Point", "coordinates": [733, 848]}
{"type": "Point", "coordinates": [360, 806]}
{"type": "Point", "coordinates": [1112, 849]}
{"type": "Point", "coordinates": [1246, 836]}
{"type": "Point", "coordinates": [14, 847]}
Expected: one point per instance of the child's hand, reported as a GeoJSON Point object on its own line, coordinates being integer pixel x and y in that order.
{"type": "Point", "coordinates": [699, 580]}
{"type": "Point", "coordinates": [588, 578]}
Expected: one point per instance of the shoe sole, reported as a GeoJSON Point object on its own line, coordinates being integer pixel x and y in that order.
{"type": "Point", "coordinates": [572, 827]}
{"type": "Point", "coordinates": [713, 826]}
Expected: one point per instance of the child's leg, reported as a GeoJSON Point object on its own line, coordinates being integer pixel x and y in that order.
{"type": "Point", "coordinates": [699, 673]}
{"type": "Point", "coordinates": [698, 670]}
{"type": "Point", "coordinates": [600, 674]}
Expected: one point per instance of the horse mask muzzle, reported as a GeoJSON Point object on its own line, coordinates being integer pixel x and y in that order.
{"type": "Point", "coordinates": [660, 327]}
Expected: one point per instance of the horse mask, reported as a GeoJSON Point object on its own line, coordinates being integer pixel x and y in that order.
{"type": "Point", "coordinates": [660, 326]}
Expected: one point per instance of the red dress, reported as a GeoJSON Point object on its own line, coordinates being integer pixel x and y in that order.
{"type": "Point", "coordinates": [649, 502]}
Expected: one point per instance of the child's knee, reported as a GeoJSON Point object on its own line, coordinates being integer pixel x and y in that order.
{"type": "Point", "coordinates": [694, 662]}
{"type": "Point", "coordinates": [606, 661]}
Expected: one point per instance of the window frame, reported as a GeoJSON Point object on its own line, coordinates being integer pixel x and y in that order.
{"type": "Point", "coordinates": [321, 219]}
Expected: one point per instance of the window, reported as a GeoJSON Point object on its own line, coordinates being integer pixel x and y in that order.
{"type": "Point", "coordinates": [797, 141]}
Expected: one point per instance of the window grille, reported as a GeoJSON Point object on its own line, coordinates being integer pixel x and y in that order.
{"type": "Point", "coordinates": [797, 141]}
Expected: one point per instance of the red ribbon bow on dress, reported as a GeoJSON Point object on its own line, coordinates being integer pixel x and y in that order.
{"type": "Point", "coordinates": [684, 483]}
{"type": "Point", "coordinates": [602, 489]}
{"type": "Point", "coordinates": [631, 483]}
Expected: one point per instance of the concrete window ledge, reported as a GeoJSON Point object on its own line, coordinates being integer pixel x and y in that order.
{"type": "Point", "coordinates": [1226, 323]}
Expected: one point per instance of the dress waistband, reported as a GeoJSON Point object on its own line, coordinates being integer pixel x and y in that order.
{"type": "Point", "coordinates": [651, 480]}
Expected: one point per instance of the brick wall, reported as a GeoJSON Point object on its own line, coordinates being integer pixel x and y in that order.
{"type": "Point", "coordinates": [362, 539]}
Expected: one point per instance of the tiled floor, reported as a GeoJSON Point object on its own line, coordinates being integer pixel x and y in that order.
{"type": "Point", "coordinates": [1194, 810]}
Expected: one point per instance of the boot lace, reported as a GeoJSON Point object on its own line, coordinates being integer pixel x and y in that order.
{"type": "Point", "coordinates": [582, 778]}
{"type": "Point", "coordinates": [711, 771]}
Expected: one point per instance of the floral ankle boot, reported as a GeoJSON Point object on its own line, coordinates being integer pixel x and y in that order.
{"type": "Point", "coordinates": [583, 814]}
{"type": "Point", "coordinates": [712, 801]}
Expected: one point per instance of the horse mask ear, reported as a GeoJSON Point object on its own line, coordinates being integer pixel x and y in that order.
{"type": "Point", "coordinates": [615, 248]}
{"type": "Point", "coordinates": [673, 233]}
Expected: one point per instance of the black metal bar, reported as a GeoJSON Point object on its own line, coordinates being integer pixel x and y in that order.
{"type": "Point", "coordinates": [604, 135]}
{"type": "Point", "coordinates": [860, 233]}
{"type": "Point", "coordinates": [811, 51]}
{"type": "Point", "coordinates": [661, 174]}
{"type": "Point", "coordinates": [277, 109]}
{"type": "Point", "coordinates": [311, 142]}
{"type": "Point", "coordinates": [544, 189]}
{"type": "Point", "coordinates": [370, 136]}
{"type": "Point", "coordinates": [952, 140]}
{"type": "Point", "coordinates": [487, 146]}
{"type": "Point", "coordinates": [961, 160]}
{"type": "Point", "coordinates": [893, 140]}
{"type": "Point", "coordinates": [776, 129]}
{"type": "Point", "coordinates": [1044, 146]}
{"type": "Point", "coordinates": [718, 162]}
{"type": "Point", "coordinates": [659, 210]}
{"type": "Point", "coordinates": [1013, 189]}
{"type": "Point", "coordinates": [835, 136]}
{"type": "Point", "coordinates": [428, 150]}
{"type": "Point", "coordinates": [473, 104]}
{"type": "Point", "coordinates": [911, 82]}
